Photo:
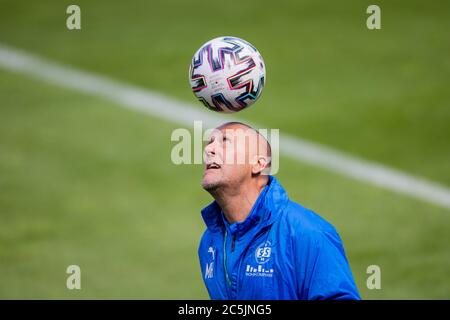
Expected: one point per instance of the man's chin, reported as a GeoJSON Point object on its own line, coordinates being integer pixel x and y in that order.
{"type": "Point", "coordinates": [210, 185]}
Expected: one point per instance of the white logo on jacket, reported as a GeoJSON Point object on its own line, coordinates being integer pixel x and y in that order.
{"type": "Point", "coordinates": [263, 252]}
{"type": "Point", "coordinates": [209, 267]}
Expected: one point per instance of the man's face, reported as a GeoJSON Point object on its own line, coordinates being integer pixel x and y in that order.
{"type": "Point", "coordinates": [229, 155]}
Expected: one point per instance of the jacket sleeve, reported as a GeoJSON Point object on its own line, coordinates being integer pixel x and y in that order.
{"type": "Point", "coordinates": [323, 269]}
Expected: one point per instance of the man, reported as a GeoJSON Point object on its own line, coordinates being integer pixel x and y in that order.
{"type": "Point", "coordinates": [258, 244]}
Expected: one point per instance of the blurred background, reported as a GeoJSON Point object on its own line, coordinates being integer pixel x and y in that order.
{"type": "Point", "coordinates": [84, 181]}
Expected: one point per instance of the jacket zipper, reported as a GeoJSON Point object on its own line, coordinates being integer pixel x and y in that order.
{"type": "Point", "coordinates": [227, 278]}
{"type": "Point", "coordinates": [233, 241]}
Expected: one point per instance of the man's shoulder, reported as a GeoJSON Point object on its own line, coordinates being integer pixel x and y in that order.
{"type": "Point", "coordinates": [305, 222]}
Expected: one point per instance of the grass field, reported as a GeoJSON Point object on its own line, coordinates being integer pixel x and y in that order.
{"type": "Point", "coordinates": [84, 181]}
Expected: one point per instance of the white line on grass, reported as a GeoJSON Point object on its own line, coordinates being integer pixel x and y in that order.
{"type": "Point", "coordinates": [183, 113]}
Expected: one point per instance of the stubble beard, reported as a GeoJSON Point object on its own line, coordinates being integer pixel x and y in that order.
{"type": "Point", "coordinates": [211, 187]}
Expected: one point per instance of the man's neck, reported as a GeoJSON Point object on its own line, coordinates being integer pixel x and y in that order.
{"type": "Point", "coordinates": [236, 206]}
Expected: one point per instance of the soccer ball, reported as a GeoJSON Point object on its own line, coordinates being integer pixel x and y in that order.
{"type": "Point", "coordinates": [227, 74]}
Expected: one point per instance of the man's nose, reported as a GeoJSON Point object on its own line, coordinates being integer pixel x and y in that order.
{"type": "Point", "coordinates": [210, 149]}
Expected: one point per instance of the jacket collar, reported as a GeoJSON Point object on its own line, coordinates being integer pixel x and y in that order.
{"type": "Point", "coordinates": [264, 212]}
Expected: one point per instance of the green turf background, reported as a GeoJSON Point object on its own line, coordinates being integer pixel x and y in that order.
{"type": "Point", "coordinates": [83, 181]}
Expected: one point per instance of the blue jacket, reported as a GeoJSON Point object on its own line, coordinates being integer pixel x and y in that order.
{"type": "Point", "coordinates": [280, 251]}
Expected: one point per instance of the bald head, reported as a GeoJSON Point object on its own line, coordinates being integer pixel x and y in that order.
{"type": "Point", "coordinates": [257, 144]}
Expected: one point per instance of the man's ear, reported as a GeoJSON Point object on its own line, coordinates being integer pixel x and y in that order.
{"type": "Point", "coordinates": [260, 163]}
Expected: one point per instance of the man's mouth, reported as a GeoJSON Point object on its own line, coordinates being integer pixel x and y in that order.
{"type": "Point", "coordinates": [212, 165]}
